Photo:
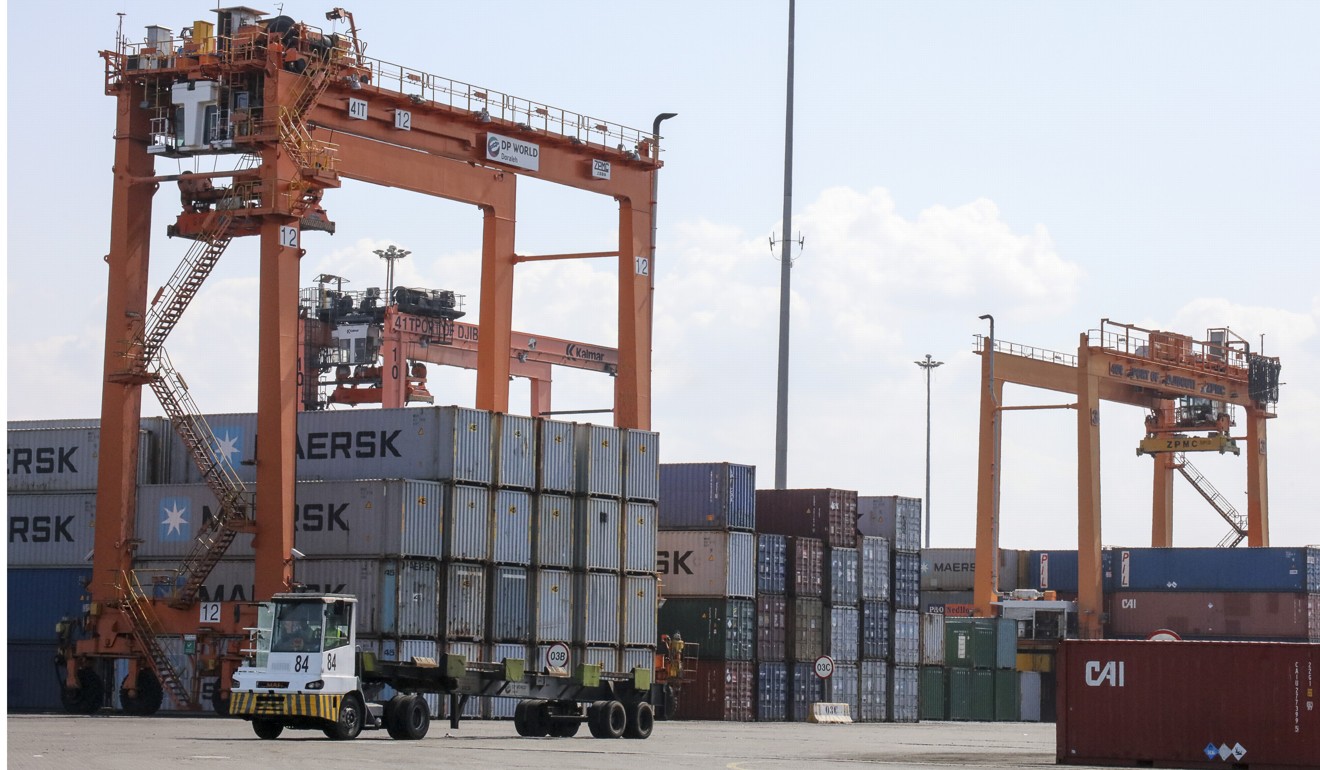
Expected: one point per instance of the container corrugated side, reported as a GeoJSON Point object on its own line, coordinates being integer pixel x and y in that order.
{"type": "Point", "coordinates": [418, 582]}
{"type": "Point", "coordinates": [556, 601]}
{"type": "Point", "coordinates": [596, 617]}
{"type": "Point", "coordinates": [842, 588]}
{"type": "Point", "coordinates": [1209, 569]}
{"type": "Point", "coordinates": [875, 568]}
{"type": "Point", "coordinates": [466, 522]}
{"type": "Point", "coordinates": [639, 533]}
{"type": "Point", "coordinates": [875, 618]}
{"type": "Point", "coordinates": [894, 517]}
{"type": "Point", "coordinates": [511, 523]}
{"type": "Point", "coordinates": [1124, 688]}
{"type": "Point", "coordinates": [722, 628]}
{"type": "Point", "coordinates": [905, 645]}
{"type": "Point", "coordinates": [599, 460]}
{"type": "Point", "coordinates": [605, 656]}
{"type": "Point", "coordinates": [597, 533]}
{"type": "Point", "coordinates": [363, 578]}
{"type": "Point", "coordinates": [53, 460]}
{"type": "Point", "coordinates": [472, 651]}
{"type": "Point", "coordinates": [54, 530]}
{"type": "Point", "coordinates": [515, 451]}
{"type": "Point", "coordinates": [32, 685]}
{"type": "Point", "coordinates": [554, 530]}
{"type": "Point", "coordinates": [772, 564]}
{"type": "Point", "coordinates": [806, 566]}
{"type": "Point", "coordinates": [934, 602]}
{"type": "Point", "coordinates": [932, 640]}
{"type": "Point", "coordinates": [39, 597]}
{"type": "Point", "coordinates": [463, 613]}
{"type": "Point", "coordinates": [806, 629]}
{"type": "Point", "coordinates": [639, 610]}
{"type": "Point", "coordinates": [1029, 696]}
{"type": "Point", "coordinates": [903, 694]}
{"type": "Point", "coordinates": [872, 691]}
{"type": "Point", "coordinates": [1057, 571]}
{"type": "Point", "coordinates": [721, 690]}
{"type": "Point", "coordinates": [771, 627]}
{"type": "Point", "coordinates": [954, 569]}
{"type": "Point", "coordinates": [841, 687]}
{"type": "Point", "coordinates": [828, 514]}
{"type": "Point", "coordinates": [641, 465]}
{"type": "Point", "coordinates": [510, 605]}
{"type": "Point", "coordinates": [465, 445]}
{"type": "Point", "coordinates": [231, 580]}
{"type": "Point", "coordinates": [637, 657]}
{"type": "Point", "coordinates": [843, 643]}
{"type": "Point", "coordinates": [556, 469]}
{"type": "Point", "coordinates": [707, 496]}
{"type": "Point", "coordinates": [805, 688]}
{"type": "Point", "coordinates": [707, 563]}
{"type": "Point", "coordinates": [771, 692]}
{"type": "Point", "coordinates": [503, 708]}
{"type": "Point", "coordinates": [907, 580]}
{"type": "Point", "coordinates": [1212, 615]}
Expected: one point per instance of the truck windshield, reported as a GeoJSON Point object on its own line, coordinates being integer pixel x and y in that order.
{"type": "Point", "coordinates": [298, 627]}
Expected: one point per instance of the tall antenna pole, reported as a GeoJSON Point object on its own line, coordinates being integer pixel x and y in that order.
{"type": "Point", "coordinates": [928, 364]}
{"type": "Point", "coordinates": [785, 265]}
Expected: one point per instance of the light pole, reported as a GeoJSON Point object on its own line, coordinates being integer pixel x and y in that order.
{"type": "Point", "coordinates": [928, 364]}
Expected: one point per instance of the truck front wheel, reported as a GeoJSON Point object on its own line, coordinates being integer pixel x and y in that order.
{"type": "Point", "coordinates": [349, 724]}
{"type": "Point", "coordinates": [267, 730]}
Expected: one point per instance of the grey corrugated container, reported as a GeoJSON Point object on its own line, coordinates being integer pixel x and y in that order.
{"type": "Point", "coordinates": [554, 530]}
{"type": "Point", "coordinates": [906, 584]}
{"type": "Point", "coordinates": [465, 445]}
{"type": "Point", "coordinates": [805, 688]}
{"type": "Point", "coordinates": [512, 525]}
{"type": "Point", "coordinates": [639, 610]}
{"type": "Point", "coordinates": [605, 657]}
{"type": "Point", "coordinates": [636, 657]}
{"type": "Point", "coordinates": [932, 640]}
{"type": "Point", "coordinates": [515, 451]}
{"type": "Point", "coordinates": [641, 465]}
{"type": "Point", "coordinates": [875, 566]}
{"type": "Point", "coordinates": [842, 687]}
{"type": "Point", "coordinates": [599, 450]}
{"type": "Point", "coordinates": [842, 572]}
{"type": "Point", "coordinates": [844, 643]}
{"type": "Point", "coordinates": [771, 564]}
{"type": "Point", "coordinates": [556, 600]}
{"type": "Point", "coordinates": [463, 613]}
{"type": "Point", "coordinates": [1029, 696]}
{"type": "Point", "coordinates": [903, 693]}
{"type": "Point", "coordinates": [872, 691]}
{"type": "Point", "coordinates": [52, 530]}
{"type": "Point", "coordinates": [876, 619]}
{"type": "Point", "coordinates": [65, 459]}
{"type": "Point", "coordinates": [466, 523]}
{"type": "Point", "coordinates": [510, 608]}
{"type": "Point", "coordinates": [67, 422]}
{"type": "Point", "coordinates": [596, 616]}
{"type": "Point", "coordinates": [714, 563]}
{"type": "Point", "coordinates": [771, 692]}
{"type": "Point", "coordinates": [954, 569]}
{"type": "Point", "coordinates": [906, 647]}
{"type": "Point", "coordinates": [556, 456]}
{"type": "Point", "coordinates": [893, 517]}
{"type": "Point", "coordinates": [597, 533]}
{"type": "Point", "coordinates": [362, 578]}
{"type": "Point", "coordinates": [503, 708]}
{"type": "Point", "coordinates": [707, 496]}
{"type": "Point", "coordinates": [230, 581]}
{"type": "Point", "coordinates": [416, 582]}
{"type": "Point", "coordinates": [639, 537]}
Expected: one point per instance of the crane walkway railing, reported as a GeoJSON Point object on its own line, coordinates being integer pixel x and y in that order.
{"type": "Point", "coordinates": [147, 629]}
{"type": "Point", "coordinates": [1236, 520]}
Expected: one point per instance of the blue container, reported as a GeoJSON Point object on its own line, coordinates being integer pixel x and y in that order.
{"type": "Point", "coordinates": [1211, 569]}
{"type": "Point", "coordinates": [40, 597]}
{"type": "Point", "coordinates": [875, 630]}
{"type": "Point", "coordinates": [1057, 570]}
{"type": "Point", "coordinates": [771, 564]}
{"type": "Point", "coordinates": [34, 683]}
{"type": "Point", "coordinates": [771, 692]}
{"type": "Point", "coordinates": [907, 580]}
{"type": "Point", "coordinates": [805, 688]}
{"type": "Point", "coordinates": [707, 496]}
{"type": "Point", "coordinates": [843, 572]}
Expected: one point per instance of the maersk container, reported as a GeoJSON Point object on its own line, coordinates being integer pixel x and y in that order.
{"type": "Point", "coordinates": [639, 610]}
{"type": "Point", "coordinates": [806, 566]}
{"type": "Point", "coordinates": [932, 640]}
{"type": "Point", "coordinates": [893, 517]}
{"type": "Point", "coordinates": [709, 563]}
{"type": "Point", "coordinates": [907, 580]}
{"type": "Point", "coordinates": [599, 450]}
{"type": "Point", "coordinates": [806, 629]}
{"type": "Point", "coordinates": [598, 533]}
{"type": "Point", "coordinates": [872, 691]}
{"type": "Point", "coordinates": [842, 588]}
{"type": "Point", "coordinates": [875, 569]}
{"type": "Point", "coordinates": [933, 700]}
{"type": "Point", "coordinates": [722, 690]}
{"type": "Point", "coordinates": [466, 522]}
{"type": "Point", "coordinates": [556, 600]}
{"type": "Point", "coordinates": [707, 496]}
{"type": "Point", "coordinates": [771, 692]}
{"type": "Point", "coordinates": [596, 617]}
{"type": "Point", "coordinates": [771, 627]}
{"type": "Point", "coordinates": [844, 642]}
{"type": "Point", "coordinates": [805, 688]}
{"type": "Point", "coordinates": [875, 621]}
{"type": "Point", "coordinates": [954, 569]}
{"type": "Point", "coordinates": [65, 459]}
{"type": "Point", "coordinates": [554, 530]}
{"type": "Point", "coordinates": [771, 564]}
{"type": "Point", "coordinates": [827, 514]}
{"type": "Point", "coordinates": [512, 526]}
{"type": "Point", "coordinates": [33, 682]}
{"type": "Point", "coordinates": [1214, 615]}
{"type": "Point", "coordinates": [903, 694]}
{"type": "Point", "coordinates": [39, 597]}
{"type": "Point", "coordinates": [639, 533]}
{"type": "Point", "coordinates": [515, 451]}
{"type": "Point", "coordinates": [905, 646]}
{"type": "Point", "coordinates": [1125, 688]}
{"type": "Point", "coordinates": [92, 423]}
{"type": "Point", "coordinates": [641, 465]}
{"type": "Point", "coordinates": [555, 456]}
{"type": "Point", "coordinates": [722, 629]}
{"type": "Point", "coordinates": [231, 580]}
{"type": "Point", "coordinates": [51, 530]}
{"type": "Point", "coordinates": [1211, 569]}
{"type": "Point", "coordinates": [510, 605]}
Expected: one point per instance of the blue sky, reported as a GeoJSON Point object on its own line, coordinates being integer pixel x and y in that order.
{"type": "Point", "coordinates": [1049, 163]}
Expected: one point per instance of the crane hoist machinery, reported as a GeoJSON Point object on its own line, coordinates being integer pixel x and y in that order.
{"type": "Point", "coordinates": [280, 112]}
{"type": "Point", "coordinates": [1191, 390]}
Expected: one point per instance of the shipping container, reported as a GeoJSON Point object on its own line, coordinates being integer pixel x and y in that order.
{"type": "Point", "coordinates": [554, 530]}
{"type": "Point", "coordinates": [511, 523]}
{"type": "Point", "coordinates": [826, 514]}
{"type": "Point", "coordinates": [1008, 708]}
{"type": "Point", "coordinates": [771, 692]}
{"type": "Point", "coordinates": [511, 615]}
{"type": "Point", "coordinates": [934, 602]}
{"type": "Point", "coordinates": [639, 533]}
{"type": "Point", "coordinates": [631, 658]}
{"type": "Point", "coordinates": [844, 643]}
{"type": "Point", "coordinates": [842, 575]}
{"type": "Point", "coordinates": [599, 450]}
{"type": "Point", "coordinates": [515, 451]}
{"type": "Point", "coordinates": [771, 627]}
{"type": "Point", "coordinates": [707, 563]}
{"type": "Point", "coordinates": [954, 569]}
{"type": "Point", "coordinates": [34, 681]}
{"type": "Point", "coordinates": [52, 530]}
{"type": "Point", "coordinates": [932, 640]}
{"type": "Point", "coordinates": [722, 690]}
{"type": "Point", "coordinates": [933, 703]}
{"type": "Point", "coordinates": [463, 613]}
{"type": "Point", "coordinates": [960, 694]}
{"type": "Point", "coordinates": [639, 610]}
{"type": "Point", "coordinates": [970, 642]}
{"type": "Point", "coordinates": [771, 564]}
{"type": "Point", "coordinates": [723, 629]}
{"type": "Point", "coordinates": [875, 619]}
{"type": "Point", "coordinates": [1212, 569]}
{"type": "Point", "coordinates": [903, 693]}
{"type": "Point", "coordinates": [598, 533]}
{"type": "Point", "coordinates": [641, 465]}
{"type": "Point", "coordinates": [556, 600]}
{"type": "Point", "coordinates": [231, 580]}
{"type": "Point", "coordinates": [1057, 571]}
{"type": "Point", "coordinates": [465, 521]}
{"type": "Point", "coordinates": [804, 689]}
{"type": "Point", "coordinates": [806, 566]}
{"type": "Point", "coordinates": [876, 569]}
{"type": "Point", "coordinates": [596, 618]}
{"type": "Point", "coordinates": [1189, 704]}
{"type": "Point", "coordinates": [872, 691]}
{"type": "Point", "coordinates": [895, 518]}
{"type": "Point", "coordinates": [905, 647]}
{"type": "Point", "coordinates": [841, 687]}
{"type": "Point", "coordinates": [39, 597]}
{"type": "Point", "coordinates": [1217, 615]}
{"type": "Point", "coordinates": [596, 655]}
{"type": "Point", "coordinates": [555, 465]}
{"type": "Point", "coordinates": [806, 629]}
{"type": "Point", "coordinates": [503, 708]}
{"type": "Point", "coordinates": [1029, 696]}
{"type": "Point", "coordinates": [469, 650]}
{"type": "Point", "coordinates": [907, 580]}
{"type": "Point", "coordinates": [983, 695]}
{"type": "Point", "coordinates": [707, 496]}
{"type": "Point", "coordinates": [65, 459]}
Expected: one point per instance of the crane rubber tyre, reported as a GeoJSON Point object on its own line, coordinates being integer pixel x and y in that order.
{"type": "Point", "coordinates": [148, 698]}
{"type": "Point", "coordinates": [266, 729]}
{"type": "Point", "coordinates": [641, 720]}
{"type": "Point", "coordinates": [349, 724]}
{"type": "Point", "coordinates": [87, 697]}
{"type": "Point", "coordinates": [608, 719]}
{"type": "Point", "coordinates": [413, 718]}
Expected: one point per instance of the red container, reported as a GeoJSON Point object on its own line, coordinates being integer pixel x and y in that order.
{"type": "Point", "coordinates": [1189, 704]}
{"type": "Point", "coordinates": [806, 566]}
{"type": "Point", "coordinates": [771, 627]}
{"type": "Point", "coordinates": [721, 690]}
{"type": "Point", "coordinates": [1215, 615]}
{"type": "Point", "coordinates": [826, 514]}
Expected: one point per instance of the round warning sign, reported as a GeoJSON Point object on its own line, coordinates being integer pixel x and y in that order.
{"type": "Point", "coordinates": [556, 655]}
{"type": "Point", "coordinates": [824, 667]}
{"type": "Point", "coordinates": [1164, 635]}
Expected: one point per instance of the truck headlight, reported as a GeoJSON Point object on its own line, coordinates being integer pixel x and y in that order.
{"type": "Point", "coordinates": [233, 683]}
{"type": "Point", "coordinates": [316, 685]}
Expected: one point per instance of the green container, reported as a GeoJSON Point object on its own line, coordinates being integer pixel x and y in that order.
{"type": "Point", "coordinates": [983, 695]}
{"type": "Point", "coordinates": [934, 702]}
{"type": "Point", "coordinates": [960, 694]}
{"type": "Point", "coordinates": [1008, 706]}
{"type": "Point", "coordinates": [722, 629]}
{"type": "Point", "coordinates": [971, 642]}
{"type": "Point", "coordinates": [1006, 633]}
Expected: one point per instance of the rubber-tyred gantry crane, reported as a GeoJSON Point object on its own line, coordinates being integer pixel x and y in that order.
{"type": "Point", "coordinates": [1189, 387]}
{"type": "Point", "coordinates": [300, 109]}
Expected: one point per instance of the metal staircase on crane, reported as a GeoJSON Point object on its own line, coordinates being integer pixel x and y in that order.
{"type": "Point", "coordinates": [146, 631]}
{"type": "Point", "coordinates": [1236, 520]}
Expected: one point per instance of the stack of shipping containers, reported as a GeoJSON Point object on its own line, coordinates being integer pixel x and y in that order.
{"type": "Point", "coordinates": [898, 520]}
{"type": "Point", "coordinates": [707, 561]}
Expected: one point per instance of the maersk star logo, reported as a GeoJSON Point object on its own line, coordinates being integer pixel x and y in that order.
{"type": "Point", "coordinates": [174, 519]}
{"type": "Point", "coordinates": [228, 445]}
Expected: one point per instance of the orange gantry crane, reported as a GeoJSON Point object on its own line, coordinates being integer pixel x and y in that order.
{"type": "Point", "coordinates": [1190, 388]}
{"type": "Point", "coordinates": [298, 109]}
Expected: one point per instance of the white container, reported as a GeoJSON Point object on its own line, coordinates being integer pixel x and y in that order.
{"type": "Point", "coordinates": [876, 567]}
{"type": "Point", "coordinates": [598, 532]}
{"type": "Point", "coordinates": [463, 612]}
{"type": "Point", "coordinates": [53, 530]}
{"type": "Point", "coordinates": [510, 605]}
{"type": "Point", "coordinates": [466, 522]}
{"type": "Point", "coordinates": [554, 530]}
{"type": "Point", "coordinates": [641, 465]}
{"type": "Point", "coordinates": [599, 460]}
{"type": "Point", "coordinates": [556, 600]}
{"type": "Point", "coordinates": [597, 614]}
{"type": "Point", "coordinates": [511, 521]}
{"type": "Point", "coordinates": [636, 657]}
{"type": "Point", "coordinates": [65, 459]}
{"type": "Point", "coordinates": [707, 563]}
{"type": "Point", "coordinates": [932, 640]}
{"type": "Point", "coordinates": [556, 469]}
{"type": "Point", "coordinates": [639, 610]}
{"type": "Point", "coordinates": [515, 451]}
{"type": "Point", "coordinates": [639, 522]}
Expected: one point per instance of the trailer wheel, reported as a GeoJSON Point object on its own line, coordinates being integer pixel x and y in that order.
{"type": "Point", "coordinates": [390, 717]}
{"type": "Point", "coordinates": [565, 728]}
{"type": "Point", "coordinates": [607, 719]}
{"type": "Point", "coordinates": [349, 724]}
{"type": "Point", "coordinates": [641, 720]}
{"type": "Point", "coordinates": [520, 718]}
{"type": "Point", "coordinates": [412, 718]}
{"type": "Point", "coordinates": [537, 718]}
{"type": "Point", "coordinates": [266, 729]}
{"type": "Point", "coordinates": [147, 697]}
{"type": "Point", "coordinates": [87, 697]}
